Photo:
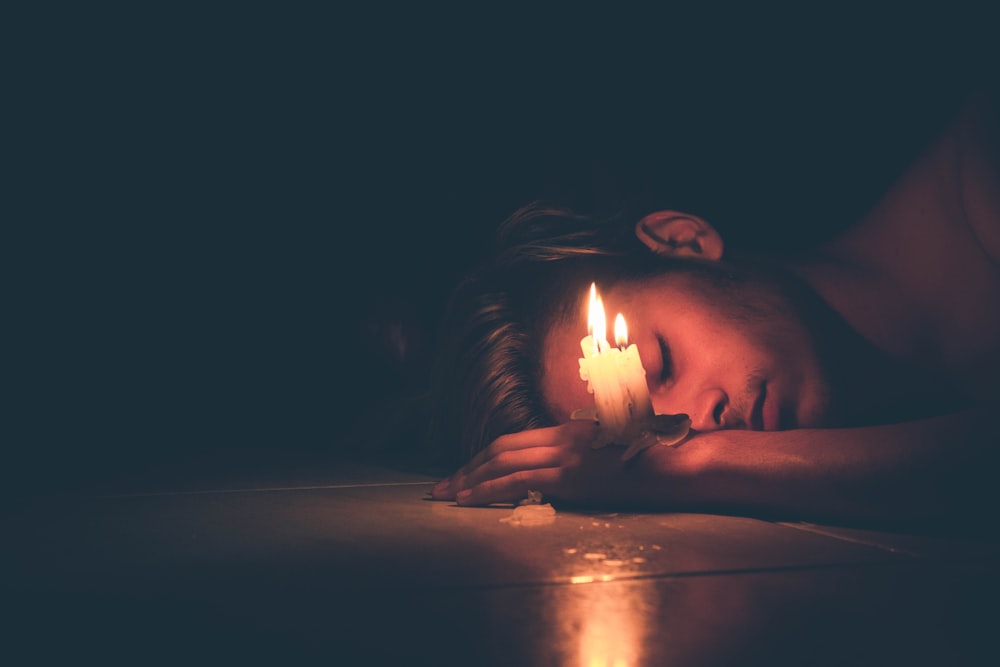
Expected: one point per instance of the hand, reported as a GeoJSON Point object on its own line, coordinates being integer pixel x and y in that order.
{"type": "Point", "coordinates": [558, 461]}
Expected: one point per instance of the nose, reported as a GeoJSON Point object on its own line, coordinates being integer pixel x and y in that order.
{"type": "Point", "coordinates": [705, 407]}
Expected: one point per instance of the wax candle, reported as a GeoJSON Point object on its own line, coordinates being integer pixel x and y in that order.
{"type": "Point", "coordinates": [632, 371]}
{"type": "Point", "coordinates": [615, 375]}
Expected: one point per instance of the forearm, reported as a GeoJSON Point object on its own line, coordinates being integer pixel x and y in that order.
{"type": "Point", "coordinates": [915, 470]}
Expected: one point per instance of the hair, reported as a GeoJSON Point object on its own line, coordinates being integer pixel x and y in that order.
{"type": "Point", "coordinates": [485, 377]}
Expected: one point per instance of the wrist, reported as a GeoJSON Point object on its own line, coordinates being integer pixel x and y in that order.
{"type": "Point", "coordinates": [675, 475]}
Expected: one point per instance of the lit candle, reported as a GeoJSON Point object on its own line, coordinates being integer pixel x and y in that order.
{"type": "Point", "coordinates": [632, 371]}
{"type": "Point", "coordinates": [615, 375]}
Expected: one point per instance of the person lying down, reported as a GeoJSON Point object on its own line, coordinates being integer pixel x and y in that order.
{"type": "Point", "coordinates": [858, 381]}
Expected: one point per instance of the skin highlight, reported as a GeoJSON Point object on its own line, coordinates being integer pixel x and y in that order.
{"type": "Point", "coordinates": [854, 383]}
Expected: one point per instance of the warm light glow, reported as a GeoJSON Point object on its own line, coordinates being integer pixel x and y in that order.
{"type": "Point", "coordinates": [597, 325]}
{"type": "Point", "coordinates": [612, 625]}
{"type": "Point", "coordinates": [621, 331]}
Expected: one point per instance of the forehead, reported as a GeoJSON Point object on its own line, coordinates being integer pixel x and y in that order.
{"type": "Point", "coordinates": [561, 385]}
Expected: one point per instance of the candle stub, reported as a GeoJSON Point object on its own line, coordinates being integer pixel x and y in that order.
{"type": "Point", "coordinates": [616, 378]}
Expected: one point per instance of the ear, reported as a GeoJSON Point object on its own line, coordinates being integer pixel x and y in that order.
{"type": "Point", "coordinates": [679, 235]}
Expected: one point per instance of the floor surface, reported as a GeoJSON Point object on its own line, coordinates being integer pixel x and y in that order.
{"type": "Point", "coordinates": [351, 564]}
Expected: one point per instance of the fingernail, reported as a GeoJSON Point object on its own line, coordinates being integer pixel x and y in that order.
{"type": "Point", "coordinates": [463, 496]}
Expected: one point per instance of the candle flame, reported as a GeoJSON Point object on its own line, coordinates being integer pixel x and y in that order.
{"type": "Point", "coordinates": [600, 323]}
{"type": "Point", "coordinates": [596, 323]}
{"type": "Point", "coordinates": [590, 309]}
{"type": "Point", "coordinates": [621, 331]}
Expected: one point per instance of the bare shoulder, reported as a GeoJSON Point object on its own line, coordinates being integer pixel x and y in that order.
{"type": "Point", "coordinates": [978, 161]}
{"type": "Point", "coordinates": [919, 274]}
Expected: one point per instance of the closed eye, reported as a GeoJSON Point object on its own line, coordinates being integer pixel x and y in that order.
{"type": "Point", "coordinates": [666, 367]}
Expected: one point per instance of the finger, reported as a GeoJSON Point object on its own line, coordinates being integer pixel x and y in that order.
{"type": "Point", "coordinates": [442, 490]}
{"type": "Point", "coordinates": [504, 463]}
{"type": "Point", "coordinates": [500, 464]}
{"type": "Point", "coordinates": [536, 437]}
{"type": "Point", "coordinates": [511, 488]}
{"type": "Point", "coordinates": [507, 463]}
{"type": "Point", "coordinates": [546, 437]}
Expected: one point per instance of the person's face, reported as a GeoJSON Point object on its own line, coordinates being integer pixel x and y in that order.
{"type": "Point", "coordinates": [729, 357]}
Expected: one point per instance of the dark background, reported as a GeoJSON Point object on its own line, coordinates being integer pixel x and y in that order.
{"type": "Point", "coordinates": [234, 231]}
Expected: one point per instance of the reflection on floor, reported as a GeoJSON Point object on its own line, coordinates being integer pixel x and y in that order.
{"type": "Point", "coordinates": [352, 564]}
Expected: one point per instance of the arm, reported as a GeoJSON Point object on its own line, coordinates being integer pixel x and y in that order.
{"type": "Point", "coordinates": [926, 469]}
{"type": "Point", "coordinates": [923, 469]}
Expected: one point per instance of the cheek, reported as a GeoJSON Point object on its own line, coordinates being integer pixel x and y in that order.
{"type": "Point", "coordinates": [724, 355]}
{"type": "Point", "coordinates": [721, 347]}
